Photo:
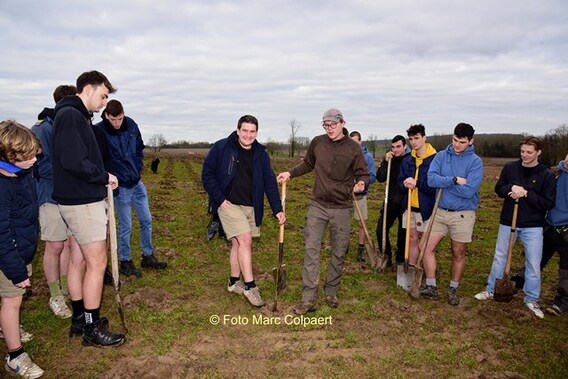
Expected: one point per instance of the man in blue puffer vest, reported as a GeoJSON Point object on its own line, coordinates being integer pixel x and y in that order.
{"type": "Point", "coordinates": [236, 174]}
{"type": "Point", "coordinates": [127, 154]}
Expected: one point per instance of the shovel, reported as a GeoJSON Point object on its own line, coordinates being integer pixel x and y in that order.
{"type": "Point", "coordinates": [403, 276]}
{"type": "Point", "coordinates": [114, 257]}
{"type": "Point", "coordinates": [505, 288]}
{"type": "Point", "coordinates": [383, 258]}
{"type": "Point", "coordinates": [419, 270]}
{"type": "Point", "coordinates": [279, 273]}
{"type": "Point", "coordinates": [371, 251]}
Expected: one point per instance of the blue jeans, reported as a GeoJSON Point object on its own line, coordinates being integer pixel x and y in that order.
{"type": "Point", "coordinates": [532, 241]}
{"type": "Point", "coordinates": [137, 198]}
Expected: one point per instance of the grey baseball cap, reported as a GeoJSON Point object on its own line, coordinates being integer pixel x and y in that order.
{"type": "Point", "coordinates": [333, 115]}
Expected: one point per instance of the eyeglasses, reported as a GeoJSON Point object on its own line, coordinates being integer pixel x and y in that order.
{"type": "Point", "coordinates": [328, 125]}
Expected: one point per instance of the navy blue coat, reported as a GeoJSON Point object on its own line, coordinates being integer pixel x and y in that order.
{"type": "Point", "coordinates": [219, 169]}
{"type": "Point", "coordinates": [426, 194]}
{"type": "Point", "coordinates": [18, 224]}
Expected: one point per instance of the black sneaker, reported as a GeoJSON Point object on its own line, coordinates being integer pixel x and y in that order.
{"type": "Point", "coordinates": [429, 292]}
{"type": "Point", "coordinates": [97, 334]}
{"type": "Point", "coordinates": [77, 326]}
{"type": "Point", "coordinates": [150, 261]}
{"type": "Point", "coordinates": [127, 268]}
{"type": "Point", "coordinates": [361, 254]}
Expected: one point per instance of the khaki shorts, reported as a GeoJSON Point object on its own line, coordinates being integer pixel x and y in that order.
{"type": "Point", "coordinates": [87, 222]}
{"type": "Point", "coordinates": [53, 227]}
{"type": "Point", "coordinates": [416, 221]}
{"type": "Point", "coordinates": [458, 224]}
{"type": "Point", "coordinates": [8, 289]}
{"type": "Point", "coordinates": [237, 220]}
{"type": "Point", "coordinates": [362, 202]}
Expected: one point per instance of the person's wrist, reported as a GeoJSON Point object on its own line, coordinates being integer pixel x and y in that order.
{"type": "Point", "coordinates": [455, 179]}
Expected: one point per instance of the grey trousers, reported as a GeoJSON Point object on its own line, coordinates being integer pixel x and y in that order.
{"type": "Point", "coordinates": [340, 229]}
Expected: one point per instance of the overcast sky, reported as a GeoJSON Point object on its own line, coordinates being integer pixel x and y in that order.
{"type": "Point", "coordinates": [190, 69]}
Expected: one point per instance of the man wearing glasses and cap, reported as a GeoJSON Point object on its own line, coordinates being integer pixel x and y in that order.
{"type": "Point", "coordinates": [340, 170]}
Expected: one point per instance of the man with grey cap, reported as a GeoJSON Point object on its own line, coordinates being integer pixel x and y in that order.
{"type": "Point", "coordinates": [340, 170]}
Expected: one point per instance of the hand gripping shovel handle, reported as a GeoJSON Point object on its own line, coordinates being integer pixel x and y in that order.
{"type": "Point", "coordinates": [419, 270]}
{"type": "Point", "coordinates": [371, 252]}
{"type": "Point", "coordinates": [114, 256]}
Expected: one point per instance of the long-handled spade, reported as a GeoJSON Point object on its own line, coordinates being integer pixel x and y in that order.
{"type": "Point", "coordinates": [418, 269]}
{"type": "Point", "coordinates": [371, 251]}
{"type": "Point", "coordinates": [505, 288]}
{"type": "Point", "coordinates": [403, 276]}
{"type": "Point", "coordinates": [383, 258]}
{"type": "Point", "coordinates": [114, 257]}
{"type": "Point", "coordinates": [279, 273]}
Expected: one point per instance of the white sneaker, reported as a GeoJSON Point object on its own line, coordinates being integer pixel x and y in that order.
{"type": "Point", "coordinates": [24, 336]}
{"type": "Point", "coordinates": [23, 366]}
{"type": "Point", "coordinates": [237, 288]}
{"type": "Point", "coordinates": [58, 306]}
{"type": "Point", "coordinates": [535, 309]}
{"type": "Point", "coordinates": [485, 295]}
{"type": "Point", "coordinates": [253, 296]}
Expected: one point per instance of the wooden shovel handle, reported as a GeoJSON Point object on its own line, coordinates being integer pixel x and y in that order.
{"type": "Point", "coordinates": [384, 240]}
{"type": "Point", "coordinates": [512, 238]}
{"type": "Point", "coordinates": [407, 237]}
{"type": "Point", "coordinates": [283, 200]}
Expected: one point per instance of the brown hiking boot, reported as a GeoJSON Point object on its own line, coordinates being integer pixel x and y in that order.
{"type": "Point", "coordinates": [332, 301]}
{"type": "Point", "coordinates": [304, 307]}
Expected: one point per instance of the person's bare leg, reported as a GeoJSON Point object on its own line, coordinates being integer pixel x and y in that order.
{"type": "Point", "coordinates": [458, 260]}
{"type": "Point", "coordinates": [10, 321]}
{"type": "Point", "coordinates": [234, 259]}
{"type": "Point", "coordinates": [244, 254]}
{"type": "Point", "coordinates": [429, 259]}
{"type": "Point", "coordinates": [413, 251]}
{"type": "Point", "coordinates": [95, 257]}
{"type": "Point", "coordinates": [76, 270]}
{"type": "Point", "coordinates": [51, 261]}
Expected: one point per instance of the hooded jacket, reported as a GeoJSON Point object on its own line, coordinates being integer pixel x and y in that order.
{"type": "Point", "coordinates": [18, 221]}
{"type": "Point", "coordinates": [447, 165]}
{"type": "Point", "coordinates": [540, 197]}
{"type": "Point", "coordinates": [338, 165]}
{"type": "Point", "coordinates": [425, 194]}
{"type": "Point", "coordinates": [126, 149]}
{"type": "Point", "coordinates": [43, 129]}
{"type": "Point", "coordinates": [78, 173]}
{"type": "Point", "coordinates": [219, 169]}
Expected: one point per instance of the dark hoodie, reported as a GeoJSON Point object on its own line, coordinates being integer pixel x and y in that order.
{"type": "Point", "coordinates": [78, 173]}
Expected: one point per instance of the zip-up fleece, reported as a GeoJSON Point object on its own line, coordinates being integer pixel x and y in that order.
{"type": "Point", "coordinates": [338, 165]}
{"type": "Point", "coordinates": [558, 215]}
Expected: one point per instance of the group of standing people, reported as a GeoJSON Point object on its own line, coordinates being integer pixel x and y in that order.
{"type": "Point", "coordinates": [65, 193]}
{"type": "Point", "coordinates": [343, 173]}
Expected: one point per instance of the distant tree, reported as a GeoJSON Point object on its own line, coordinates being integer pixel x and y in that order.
{"type": "Point", "coordinates": [372, 143]}
{"type": "Point", "coordinates": [157, 142]}
{"type": "Point", "coordinates": [555, 145]}
{"type": "Point", "coordinates": [294, 126]}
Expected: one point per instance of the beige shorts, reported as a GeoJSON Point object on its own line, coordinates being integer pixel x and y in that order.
{"type": "Point", "coordinates": [238, 219]}
{"type": "Point", "coordinates": [362, 202]}
{"type": "Point", "coordinates": [8, 289]}
{"type": "Point", "coordinates": [53, 227]}
{"type": "Point", "coordinates": [459, 224]}
{"type": "Point", "coordinates": [416, 221]}
{"type": "Point", "coordinates": [87, 222]}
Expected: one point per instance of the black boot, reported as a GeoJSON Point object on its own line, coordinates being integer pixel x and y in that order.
{"type": "Point", "coordinates": [77, 326]}
{"type": "Point", "coordinates": [127, 268]}
{"type": "Point", "coordinates": [150, 261]}
{"type": "Point", "coordinates": [97, 334]}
